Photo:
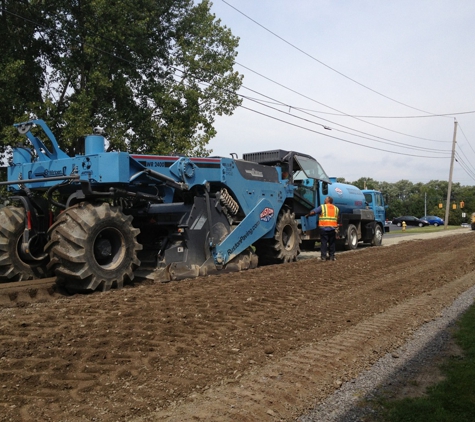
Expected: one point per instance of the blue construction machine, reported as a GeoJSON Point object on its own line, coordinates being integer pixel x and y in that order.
{"type": "Point", "coordinates": [97, 219]}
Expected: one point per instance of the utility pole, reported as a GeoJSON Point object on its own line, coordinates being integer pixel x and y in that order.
{"type": "Point", "coordinates": [449, 190]}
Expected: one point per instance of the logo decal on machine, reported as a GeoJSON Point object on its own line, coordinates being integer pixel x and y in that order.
{"type": "Point", "coordinates": [267, 214]}
{"type": "Point", "coordinates": [47, 173]}
{"type": "Point", "coordinates": [86, 163]}
{"type": "Point", "coordinates": [255, 173]}
{"type": "Point", "coordinates": [339, 191]}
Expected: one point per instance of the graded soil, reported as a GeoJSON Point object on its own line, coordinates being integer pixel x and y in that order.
{"type": "Point", "coordinates": [260, 345]}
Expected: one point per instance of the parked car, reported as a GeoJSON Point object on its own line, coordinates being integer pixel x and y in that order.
{"type": "Point", "coordinates": [434, 220]}
{"type": "Point", "coordinates": [410, 221]}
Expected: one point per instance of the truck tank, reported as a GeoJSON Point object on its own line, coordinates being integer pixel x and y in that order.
{"type": "Point", "coordinates": [346, 197]}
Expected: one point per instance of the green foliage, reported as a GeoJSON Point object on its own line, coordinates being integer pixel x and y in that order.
{"type": "Point", "coordinates": [407, 198]}
{"type": "Point", "coordinates": [452, 400]}
{"type": "Point", "coordinates": [153, 74]}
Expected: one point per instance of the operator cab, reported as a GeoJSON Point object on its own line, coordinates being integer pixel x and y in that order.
{"type": "Point", "coordinates": [305, 175]}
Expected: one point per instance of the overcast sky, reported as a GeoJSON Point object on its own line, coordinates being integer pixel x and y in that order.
{"type": "Point", "coordinates": [333, 63]}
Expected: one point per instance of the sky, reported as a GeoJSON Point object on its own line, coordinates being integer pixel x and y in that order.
{"type": "Point", "coordinates": [359, 85]}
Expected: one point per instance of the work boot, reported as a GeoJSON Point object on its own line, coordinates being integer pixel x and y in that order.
{"type": "Point", "coordinates": [333, 258]}
{"type": "Point", "coordinates": [323, 258]}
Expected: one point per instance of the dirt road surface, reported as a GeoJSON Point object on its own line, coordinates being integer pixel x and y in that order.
{"type": "Point", "coordinates": [261, 345]}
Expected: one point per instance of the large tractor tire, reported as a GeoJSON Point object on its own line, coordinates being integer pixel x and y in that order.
{"type": "Point", "coordinates": [285, 246]}
{"type": "Point", "coordinates": [93, 247]}
{"type": "Point", "coordinates": [15, 266]}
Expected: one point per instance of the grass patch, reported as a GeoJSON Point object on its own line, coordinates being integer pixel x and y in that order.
{"type": "Point", "coordinates": [452, 400]}
{"type": "Point", "coordinates": [427, 229]}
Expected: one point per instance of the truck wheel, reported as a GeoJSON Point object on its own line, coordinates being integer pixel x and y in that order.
{"type": "Point", "coordinates": [378, 236]}
{"type": "Point", "coordinates": [352, 237]}
{"type": "Point", "coordinates": [285, 246]}
{"type": "Point", "coordinates": [93, 247]}
{"type": "Point", "coordinates": [13, 265]}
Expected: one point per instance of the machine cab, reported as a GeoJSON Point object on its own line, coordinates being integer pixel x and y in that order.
{"type": "Point", "coordinates": [307, 172]}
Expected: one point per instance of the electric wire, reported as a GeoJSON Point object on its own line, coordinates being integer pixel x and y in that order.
{"type": "Point", "coordinates": [177, 69]}
{"type": "Point", "coordinates": [335, 137]}
{"type": "Point", "coordinates": [272, 117]}
{"type": "Point", "coordinates": [295, 108]}
{"type": "Point", "coordinates": [334, 109]}
{"type": "Point", "coordinates": [346, 127]}
{"type": "Point", "coordinates": [468, 168]}
{"type": "Point", "coordinates": [393, 117]}
{"type": "Point", "coordinates": [468, 164]}
{"type": "Point", "coordinates": [464, 167]}
{"type": "Point", "coordinates": [463, 133]}
{"type": "Point", "coordinates": [381, 140]}
{"type": "Point", "coordinates": [322, 63]}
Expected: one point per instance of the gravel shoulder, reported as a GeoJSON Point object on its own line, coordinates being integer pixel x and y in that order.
{"type": "Point", "coordinates": [404, 372]}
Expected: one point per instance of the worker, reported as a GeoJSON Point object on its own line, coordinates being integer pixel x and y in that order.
{"type": "Point", "coordinates": [285, 172]}
{"type": "Point", "coordinates": [327, 224]}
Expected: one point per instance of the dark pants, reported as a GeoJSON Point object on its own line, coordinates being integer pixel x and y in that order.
{"type": "Point", "coordinates": [327, 240]}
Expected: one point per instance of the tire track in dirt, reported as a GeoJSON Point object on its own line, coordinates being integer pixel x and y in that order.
{"type": "Point", "coordinates": [314, 372]}
{"type": "Point", "coordinates": [287, 333]}
{"type": "Point", "coordinates": [28, 291]}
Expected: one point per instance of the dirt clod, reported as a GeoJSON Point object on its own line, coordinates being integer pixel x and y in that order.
{"type": "Point", "coordinates": [263, 344]}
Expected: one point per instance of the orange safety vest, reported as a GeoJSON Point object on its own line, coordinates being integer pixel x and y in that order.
{"type": "Point", "coordinates": [329, 216]}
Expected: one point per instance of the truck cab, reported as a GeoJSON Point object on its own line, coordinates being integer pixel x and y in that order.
{"type": "Point", "coordinates": [374, 200]}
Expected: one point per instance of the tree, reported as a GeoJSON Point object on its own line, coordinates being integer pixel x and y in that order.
{"type": "Point", "coordinates": [153, 74]}
{"type": "Point", "coordinates": [21, 74]}
{"type": "Point", "coordinates": [366, 183]}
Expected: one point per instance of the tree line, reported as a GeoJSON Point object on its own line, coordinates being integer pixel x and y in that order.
{"type": "Point", "coordinates": [418, 199]}
{"type": "Point", "coordinates": [153, 74]}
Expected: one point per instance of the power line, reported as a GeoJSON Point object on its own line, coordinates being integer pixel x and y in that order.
{"type": "Point", "coordinates": [381, 140]}
{"type": "Point", "coordinates": [343, 140]}
{"type": "Point", "coordinates": [322, 63]}
{"type": "Point", "coordinates": [176, 69]}
{"type": "Point", "coordinates": [468, 142]}
{"type": "Point", "coordinates": [335, 137]}
{"type": "Point", "coordinates": [342, 113]}
{"type": "Point", "coordinates": [469, 164]}
{"type": "Point", "coordinates": [464, 167]}
{"type": "Point", "coordinates": [392, 117]}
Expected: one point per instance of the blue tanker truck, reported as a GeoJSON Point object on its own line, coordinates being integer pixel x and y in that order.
{"type": "Point", "coordinates": [362, 213]}
{"type": "Point", "coordinates": [97, 218]}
